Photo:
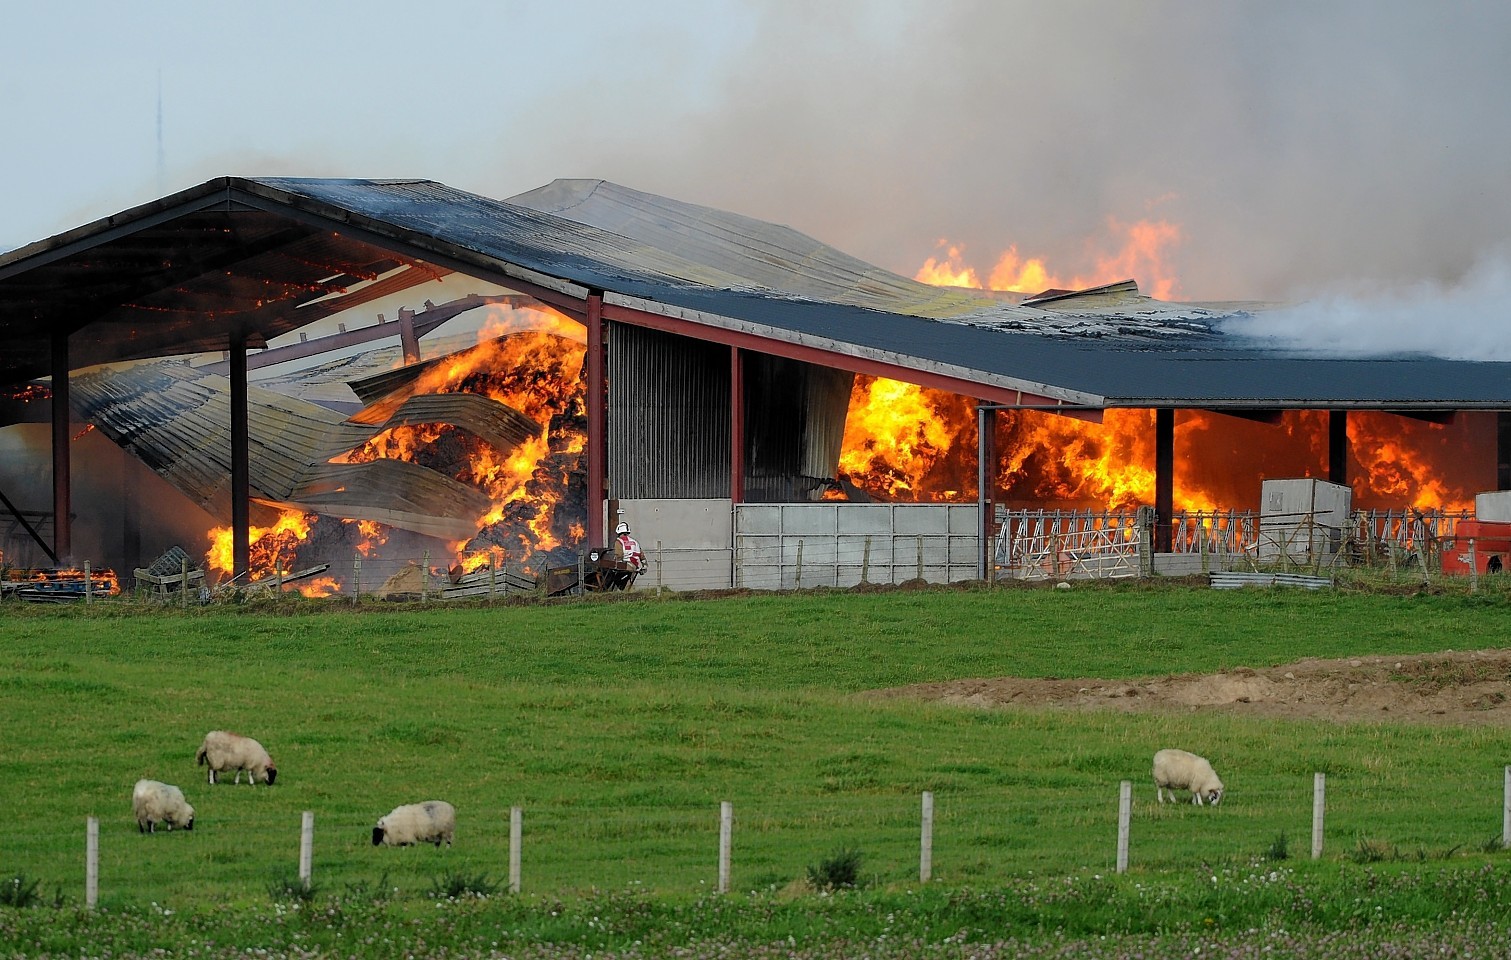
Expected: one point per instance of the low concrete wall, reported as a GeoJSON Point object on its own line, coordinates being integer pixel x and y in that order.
{"type": "Point", "coordinates": [783, 546]}
{"type": "Point", "coordinates": [714, 544]}
{"type": "Point", "coordinates": [688, 543]}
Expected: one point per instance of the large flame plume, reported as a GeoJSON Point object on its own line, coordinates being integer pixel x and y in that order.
{"type": "Point", "coordinates": [1139, 250]}
{"type": "Point", "coordinates": [905, 442]}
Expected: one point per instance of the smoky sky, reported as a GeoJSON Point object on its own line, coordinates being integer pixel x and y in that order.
{"type": "Point", "coordinates": [1297, 145]}
{"type": "Point", "coordinates": [1302, 150]}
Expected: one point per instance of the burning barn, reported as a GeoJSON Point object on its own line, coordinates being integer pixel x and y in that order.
{"type": "Point", "coordinates": [585, 353]}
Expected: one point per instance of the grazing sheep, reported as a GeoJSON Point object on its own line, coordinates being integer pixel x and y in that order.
{"type": "Point", "coordinates": [155, 802]}
{"type": "Point", "coordinates": [224, 750]}
{"type": "Point", "coordinates": [1178, 770]}
{"type": "Point", "coordinates": [430, 822]}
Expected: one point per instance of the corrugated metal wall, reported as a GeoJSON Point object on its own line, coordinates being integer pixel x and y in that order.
{"type": "Point", "coordinates": [668, 415]}
{"type": "Point", "coordinates": [668, 428]}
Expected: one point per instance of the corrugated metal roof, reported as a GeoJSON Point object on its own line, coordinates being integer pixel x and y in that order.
{"type": "Point", "coordinates": [258, 254]}
{"type": "Point", "coordinates": [1142, 353]}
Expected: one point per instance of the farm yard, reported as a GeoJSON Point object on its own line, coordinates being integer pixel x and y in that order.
{"type": "Point", "coordinates": [617, 726]}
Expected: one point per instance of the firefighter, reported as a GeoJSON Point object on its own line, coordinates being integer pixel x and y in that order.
{"type": "Point", "coordinates": [626, 549]}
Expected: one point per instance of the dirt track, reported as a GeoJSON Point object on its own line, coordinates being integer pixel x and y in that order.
{"type": "Point", "coordinates": [1451, 687]}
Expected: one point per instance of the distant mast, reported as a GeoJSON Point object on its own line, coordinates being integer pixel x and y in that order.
{"type": "Point", "coordinates": [162, 165]}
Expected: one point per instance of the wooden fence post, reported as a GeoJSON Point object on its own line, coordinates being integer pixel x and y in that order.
{"type": "Point", "coordinates": [88, 585]}
{"type": "Point", "coordinates": [726, 836]}
{"type": "Point", "coordinates": [1125, 816]}
{"type": "Point", "coordinates": [1319, 804]}
{"type": "Point", "coordinates": [183, 583]}
{"type": "Point", "coordinates": [798, 583]}
{"type": "Point", "coordinates": [1474, 569]}
{"type": "Point", "coordinates": [516, 833]}
{"type": "Point", "coordinates": [306, 847]}
{"type": "Point", "coordinates": [92, 862]}
{"type": "Point", "coordinates": [425, 577]}
{"type": "Point", "coordinates": [1506, 812]}
{"type": "Point", "coordinates": [926, 842]}
{"type": "Point", "coordinates": [658, 568]}
{"type": "Point", "coordinates": [865, 562]}
{"type": "Point", "coordinates": [356, 577]}
{"type": "Point", "coordinates": [920, 557]}
{"type": "Point", "coordinates": [278, 575]}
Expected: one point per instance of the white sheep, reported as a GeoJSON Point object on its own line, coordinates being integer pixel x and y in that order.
{"type": "Point", "coordinates": [1179, 770]}
{"type": "Point", "coordinates": [433, 821]}
{"type": "Point", "coordinates": [223, 750]}
{"type": "Point", "coordinates": [155, 802]}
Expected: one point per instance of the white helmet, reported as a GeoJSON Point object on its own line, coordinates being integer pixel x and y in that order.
{"type": "Point", "coordinates": [622, 528]}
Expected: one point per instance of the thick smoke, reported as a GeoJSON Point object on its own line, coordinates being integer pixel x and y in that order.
{"type": "Point", "coordinates": [1469, 320]}
{"type": "Point", "coordinates": [1294, 143]}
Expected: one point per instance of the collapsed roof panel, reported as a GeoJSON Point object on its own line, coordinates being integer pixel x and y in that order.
{"type": "Point", "coordinates": [175, 419]}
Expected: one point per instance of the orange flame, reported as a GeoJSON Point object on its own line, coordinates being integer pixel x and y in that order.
{"type": "Point", "coordinates": [897, 435]}
{"type": "Point", "coordinates": [536, 372]}
{"type": "Point", "coordinates": [1139, 250]}
{"type": "Point", "coordinates": [904, 442]}
{"type": "Point", "coordinates": [318, 587]}
{"type": "Point", "coordinates": [372, 535]}
{"type": "Point", "coordinates": [270, 547]}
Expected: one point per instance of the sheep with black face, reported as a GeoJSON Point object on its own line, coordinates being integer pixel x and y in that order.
{"type": "Point", "coordinates": [156, 802]}
{"type": "Point", "coordinates": [1180, 770]}
{"type": "Point", "coordinates": [224, 750]}
{"type": "Point", "coordinates": [433, 821]}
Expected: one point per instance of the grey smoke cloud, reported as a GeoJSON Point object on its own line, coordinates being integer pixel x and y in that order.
{"type": "Point", "coordinates": [1295, 143]}
{"type": "Point", "coordinates": [1467, 320]}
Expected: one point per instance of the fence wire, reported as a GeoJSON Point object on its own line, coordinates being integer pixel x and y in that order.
{"type": "Point", "coordinates": [976, 836]}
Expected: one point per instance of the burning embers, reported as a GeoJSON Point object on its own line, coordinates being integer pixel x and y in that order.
{"type": "Point", "coordinates": [57, 584]}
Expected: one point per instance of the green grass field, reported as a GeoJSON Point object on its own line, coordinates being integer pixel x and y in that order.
{"type": "Point", "coordinates": [618, 726]}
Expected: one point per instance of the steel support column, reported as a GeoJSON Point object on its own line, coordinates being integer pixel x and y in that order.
{"type": "Point", "coordinates": [1503, 450]}
{"type": "Point", "coordinates": [62, 464]}
{"type": "Point", "coordinates": [1164, 478]}
{"type": "Point", "coordinates": [986, 488]}
{"type": "Point", "coordinates": [241, 484]}
{"type": "Point", "coordinates": [593, 373]}
{"type": "Point", "coordinates": [736, 425]}
{"type": "Point", "coordinates": [1337, 446]}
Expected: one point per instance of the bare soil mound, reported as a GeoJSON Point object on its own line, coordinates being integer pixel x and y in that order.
{"type": "Point", "coordinates": [1451, 687]}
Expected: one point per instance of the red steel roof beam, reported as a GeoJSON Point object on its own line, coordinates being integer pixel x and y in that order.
{"type": "Point", "coordinates": [593, 373]}
{"type": "Point", "coordinates": [833, 358]}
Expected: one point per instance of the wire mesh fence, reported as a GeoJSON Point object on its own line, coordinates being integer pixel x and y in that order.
{"type": "Point", "coordinates": [1027, 545]}
{"type": "Point", "coordinates": [245, 842]}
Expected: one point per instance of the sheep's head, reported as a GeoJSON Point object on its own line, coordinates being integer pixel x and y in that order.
{"type": "Point", "coordinates": [271, 775]}
{"type": "Point", "coordinates": [1214, 796]}
{"type": "Point", "coordinates": [378, 834]}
